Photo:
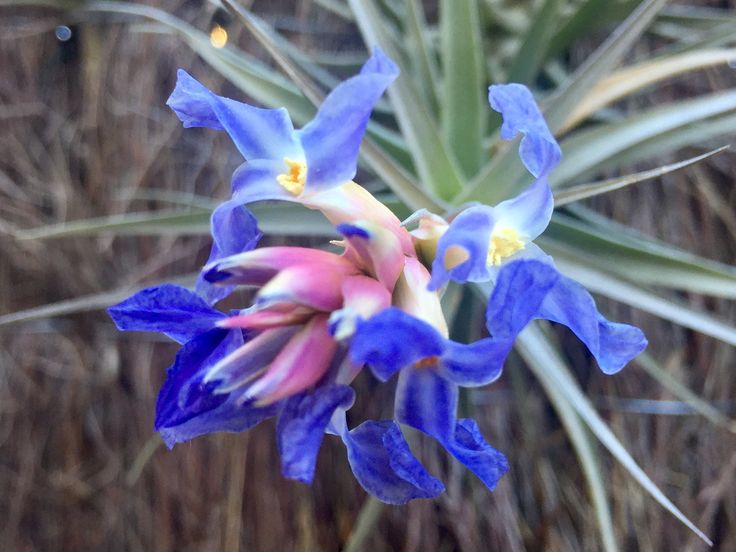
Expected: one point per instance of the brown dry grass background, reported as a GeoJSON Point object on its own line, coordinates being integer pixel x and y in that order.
{"type": "Point", "coordinates": [83, 128]}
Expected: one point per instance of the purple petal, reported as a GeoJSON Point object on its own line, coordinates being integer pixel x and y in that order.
{"type": "Point", "coordinates": [476, 364]}
{"type": "Point", "coordinates": [331, 140]}
{"type": "Point", "coordinates": [476, 454]}
{"type": "Point", "coordinates": [528, 213]}
{"type": "Point", "coordinates": [257, 133]}
{"type": "Point", "coordinates": [173, 310]}
{"type": "Point", "coordinates": [257, 181]}
{"type": "Point", "coordinates": [384, 465]}
{"type": "Point", "coordinates": [470, 232]}
{"type": "Point", "coordinates": [538, 150]}
{"type": "Point", "coordinates": [392, 340]}
{"type": "Point", "coordinates": [184, 395]}
{"type": "Point", "coordinates": [234, 230]}
{"type": "Point", "coordinates": [232, 416]}
{"type": "Point", "coordinates": [301, 426]}
{"type": "Point", "coordinates": [613, 345]}
{"type": "Point", "coordinates": [427, 402]}
{"type": "Point", "coordinates": [520, 289]}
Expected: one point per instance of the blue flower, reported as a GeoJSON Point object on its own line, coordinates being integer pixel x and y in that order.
{"type": "Point", "coordinates": [483, 239]}
{"type": "Point", "coordinates": [191, 404]}
{"type": "Point", "coordinates": [283, 163]}
{"type": "Point", "coordinates": [432, 368]}
{"type": "Point", "coordinates": [186, 407]}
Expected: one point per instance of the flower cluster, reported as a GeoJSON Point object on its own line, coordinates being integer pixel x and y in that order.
{"type": "Point", "coordinates": [320, 317]}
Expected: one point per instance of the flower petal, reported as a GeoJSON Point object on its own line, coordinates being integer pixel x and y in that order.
{"type": "Point", "coordinates": [301, 427]}
{"type": "Point", "coordinates": [613, 345]}
{"type": "Point", "coordinates": [351, 202]}
{"type": "Point", "coordinates": [184, 394]}
{"type": "Point", "coordinates": [299, 365]}
{"type": "Point", "coordinates": [317, 287]}
{"type": "Point", "coordinates": [528, 213]}
{"type": "Point", "coordinates": [384, 465]}
{"type": "Point", "coordinates": [260, 265]}
{"type": "Point", "coordinates": [538, 149]}
{"type": "Point", "coordinates": [255, 319]}
{"type": "Point", "coordinates": [520, 290]}
{"type": "Point", "coordinates": [476, 364]}
{"type": "Point", "coordinates": [231, 416]}
{"type": "Point", "coordinates": [476, 454]}
{"type": "Point", "coordinates": [362, 298]}
{"type": "Point", "coordinates": [246, 362]}
{"type": "Point", "coordinates": [257, 133]}
{"type": "Point", "coordinates": [378, 249]}
{"type": "Point", "coordinates": [234, 230]}
{"type": "Point", "coordinates": [331, 140]}
{"type": "Point", "coordinates": [427, 402]}
{"type": "Point", "coordinates": [392, 340]}
{"type": "Point", "coordinates": [173, 310]}
{"type": "Point", "coordinates": [462, 251]}
{"type": "Point", "coordinates": [413, 296]}
{"type": "Point", "coordinates": [257, 181]}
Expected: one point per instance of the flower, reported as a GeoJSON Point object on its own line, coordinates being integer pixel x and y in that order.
{"type": "Point", "coordinates": [482, 239]}
{"type": "Point", "coordinates": [313, 165]}
{"type": "Point", "coordinates": [283, 357]}
{"type": "Point", "coordinates": [432, 367]}
{"type": "Point", "coordinates": [283, 163]}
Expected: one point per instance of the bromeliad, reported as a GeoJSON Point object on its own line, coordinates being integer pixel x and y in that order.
{"type": "Point", "coordinates": [319, 317]}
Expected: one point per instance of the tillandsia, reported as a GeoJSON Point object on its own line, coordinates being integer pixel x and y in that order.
{"type": "Point", "coordinates": [320, 317]}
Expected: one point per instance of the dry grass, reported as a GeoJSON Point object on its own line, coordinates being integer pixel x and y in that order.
{"type": "Point", "coordinates": [80, 469]}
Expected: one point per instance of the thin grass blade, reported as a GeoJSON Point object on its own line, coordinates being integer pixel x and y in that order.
{"type": "Point", "coordinates": [662, 130]}
{"type": "Point", "coordinates": [684, 393]}
{"type": "Point", "coordinates": [535, 47]}
{"type": "Point", "coordinates": [582, 191]}
{"type": "Point", "coordinates": [581, 442]}
{"type": "Point", "coordinates": [540, 355]}
{"type": "Point", "coordinates": [632, 79]}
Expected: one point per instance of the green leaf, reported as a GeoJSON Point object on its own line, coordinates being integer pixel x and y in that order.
{"type": "Point", "coordinates": [600, 63]}
{"type": "Point", "coordinates": [534, 49]}
{"type": "Point", "coordinates": [586, 18]}
{"type": "Point", "coordinates": [256, 79]}
{"type": "Point", "coordinates": [545, 361]}
{"type": "Point", "coordinates": [438, 170]}
{"type": "Point", "coordinates": [639, 259]}
{"type": "Point", "coordinates": [273, 219]}
{"type": "Point", "coordinates": [580, 438]}
{"type": "Point", "coordinates": [682, 392]}
{"type": "Point", "coordinates": [158, 223]}
{"type": "Point", "coordinates": [626, 81]}
{"type": "Point", "coordinates": [576, 193]}
{"type": "Point", "coordinates": [422, 57]}
{"type": "Point", "coordinates": [464, 82]}
{"type": "Point", "coordinates": [86, 303]}
{"type": "Point", "coordinates": [658, 130]}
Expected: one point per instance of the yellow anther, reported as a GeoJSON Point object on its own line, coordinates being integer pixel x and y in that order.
{"type": "Point", "coordinates": [295, 179]}
{"type": "Point", "coordinates": [427, 362]}
{"type": "Point", "coordinates": [504, 243]}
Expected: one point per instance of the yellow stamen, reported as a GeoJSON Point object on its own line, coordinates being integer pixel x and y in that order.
{"type": "Point", "coordinates": [295, 179]}
{"type": "Point", "coordinates": [427, 362]}
{"type": "Point", "coordinates": [504, 243]}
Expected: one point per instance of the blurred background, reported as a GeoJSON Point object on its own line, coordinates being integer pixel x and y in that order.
{"type": "Point", "coordinates": [84, 133]}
